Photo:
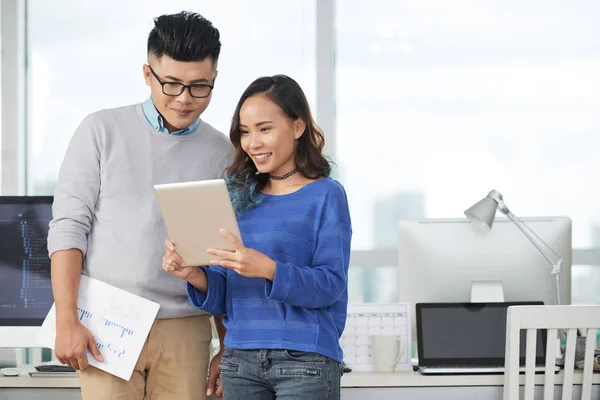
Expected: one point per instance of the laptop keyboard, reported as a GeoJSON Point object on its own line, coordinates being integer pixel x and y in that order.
{"type": "Point", "coordinates": [457, 369]}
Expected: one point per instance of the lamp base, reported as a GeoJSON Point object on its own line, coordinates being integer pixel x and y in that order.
{"type": "Point", "coordinates": [487, 292]}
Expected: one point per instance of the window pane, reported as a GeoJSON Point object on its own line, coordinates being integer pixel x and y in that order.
{"type": "Point", "coordinates": [439, 102]}
{"type": "Point", "coordinates": [91, 58]}
{"type": "Point", "coordinates": [585, 281]}
{"type": "Point", "coordinates": [373, 285]}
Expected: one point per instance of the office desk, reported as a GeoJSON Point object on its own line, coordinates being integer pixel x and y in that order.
{"type": "Point", "coordinates": [412, 385]}
{"type": "Point", "coordinates": [25, 387]}
{"type": "Point", "coordinates": [355, 385]}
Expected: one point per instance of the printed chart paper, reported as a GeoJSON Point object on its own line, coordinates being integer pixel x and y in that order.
{"type": "Point", "coordinates": [365, 320]}
{"type": "Point", "coordinates": [120, 322]}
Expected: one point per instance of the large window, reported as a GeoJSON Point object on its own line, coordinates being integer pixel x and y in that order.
{"type": "Point", "coordinates": [84, 58]}
{"type": "Point", "coordinates": [439, 102]}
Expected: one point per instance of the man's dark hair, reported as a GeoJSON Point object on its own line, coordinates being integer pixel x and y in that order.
{"type": "Point", "coordinates": [185, 36]}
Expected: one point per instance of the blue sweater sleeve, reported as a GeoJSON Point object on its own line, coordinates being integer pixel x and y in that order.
{"type": "Point", "coordinates": [322, 283]}
{"type": "Point", "coordinates": [212, 302]}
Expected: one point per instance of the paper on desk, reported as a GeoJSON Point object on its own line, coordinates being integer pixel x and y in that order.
{"type": "Point", "coordinates": [365, 320]}
{"type": "Point", "coordinates": [120, 322]}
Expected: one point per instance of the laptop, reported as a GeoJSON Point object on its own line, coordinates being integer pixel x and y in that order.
{"type": "Point", "coordinates": [468, 338]}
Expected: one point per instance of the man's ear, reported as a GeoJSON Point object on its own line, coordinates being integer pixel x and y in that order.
{"type": "Point", "coordinates": [147, 74]}
{"type": "Point", "coordinates": [299, 128]}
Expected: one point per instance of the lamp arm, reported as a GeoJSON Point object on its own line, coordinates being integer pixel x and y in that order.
{"type": "Point", "coordinates": [545, 250]}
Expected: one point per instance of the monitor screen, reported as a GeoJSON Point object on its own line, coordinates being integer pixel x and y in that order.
{"type": "Point", "coordinates": [25, 288]}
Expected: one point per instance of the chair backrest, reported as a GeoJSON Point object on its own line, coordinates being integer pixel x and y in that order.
{"type": "Point", "coordinates": [563, 320]}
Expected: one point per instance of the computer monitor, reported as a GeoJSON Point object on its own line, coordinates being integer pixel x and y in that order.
{"type": "Point", "coordinates": [25, 288]}
{"type": "Point", "coordinates": [438, 259]}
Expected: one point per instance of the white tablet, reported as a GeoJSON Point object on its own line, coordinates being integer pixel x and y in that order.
{"type": "Point", "coordinates": [193, 213]}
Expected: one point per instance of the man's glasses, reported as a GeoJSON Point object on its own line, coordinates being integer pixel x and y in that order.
{"type": "Point", "coordinates": [198, 90]}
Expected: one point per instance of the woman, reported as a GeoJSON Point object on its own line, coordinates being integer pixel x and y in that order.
{"type": "Point", "coordinates": [284, 291]}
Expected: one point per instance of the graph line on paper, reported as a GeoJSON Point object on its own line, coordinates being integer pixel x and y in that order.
{"type": "Point", "coordinates": [120, 322]}
{"type": "Point", "coordinates": [121, 328]}
{"type": "Point", "coordinates": [111, 349]}
{"type": "Point", "coordinates": [83, 314]}
{"type": "Point", "coordinates": [365, 320]}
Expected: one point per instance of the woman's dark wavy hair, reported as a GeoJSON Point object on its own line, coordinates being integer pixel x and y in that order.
{"type": "Point", "coordinates": [244, 181]}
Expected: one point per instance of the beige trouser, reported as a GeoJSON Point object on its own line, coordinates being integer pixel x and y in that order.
{"type": "Point", "coordinates": [173, 364]}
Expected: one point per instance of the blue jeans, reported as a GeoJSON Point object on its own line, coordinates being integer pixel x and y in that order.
{"type": "Point", "coordinates": [279, 374]}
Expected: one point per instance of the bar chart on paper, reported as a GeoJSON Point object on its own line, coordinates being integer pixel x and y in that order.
{"type": "Point", "coordinates": [120, 322]}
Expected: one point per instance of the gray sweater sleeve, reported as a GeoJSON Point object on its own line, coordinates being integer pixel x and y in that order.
{"type": "Point", "coordinates": [76, 191]}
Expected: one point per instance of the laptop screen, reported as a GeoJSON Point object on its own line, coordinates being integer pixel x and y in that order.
{"type": "Point", "coordinates": [467, 334]}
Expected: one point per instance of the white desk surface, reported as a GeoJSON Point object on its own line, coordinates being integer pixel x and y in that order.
{"type": "Point", "coordinates": [415, 379]}
{"type": "Point", "coordinates": [349, 380]}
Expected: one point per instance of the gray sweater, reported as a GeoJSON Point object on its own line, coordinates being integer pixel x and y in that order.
{"type": "Point", "coordinates": [105, 206]}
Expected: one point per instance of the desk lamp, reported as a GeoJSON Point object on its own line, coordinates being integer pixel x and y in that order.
{"type": "Point", "coordinates": [482, 214]}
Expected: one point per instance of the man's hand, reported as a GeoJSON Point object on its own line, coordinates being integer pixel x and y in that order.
{"type": "Point", "coordinates": [214, 375]}
{"type": "Point", "coordinates": [72, 342]}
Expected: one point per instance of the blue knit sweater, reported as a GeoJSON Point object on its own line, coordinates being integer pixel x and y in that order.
{"type": "Point", "coordinates": [308, 234]}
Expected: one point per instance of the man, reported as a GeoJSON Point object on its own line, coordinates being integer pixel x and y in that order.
{"type": "Point", "coordinates": [107, 224]}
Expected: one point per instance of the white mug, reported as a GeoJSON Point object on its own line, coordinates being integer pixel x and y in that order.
{"type": "Point", "coordinates": [386, 351]}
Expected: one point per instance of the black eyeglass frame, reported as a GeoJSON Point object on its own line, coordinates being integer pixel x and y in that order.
{"type": "Point", "coordinates": [183, 87]}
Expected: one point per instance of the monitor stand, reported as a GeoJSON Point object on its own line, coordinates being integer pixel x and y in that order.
{"type": "Point", "coordinates": [487, 292]}
{"type": "Point", "coordinates": [8, 358]}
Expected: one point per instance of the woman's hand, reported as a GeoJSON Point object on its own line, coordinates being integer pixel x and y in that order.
{"type": "Point", "coordinates": [174, 265]}
{"type": "Point", "coordinates": [246, 262]}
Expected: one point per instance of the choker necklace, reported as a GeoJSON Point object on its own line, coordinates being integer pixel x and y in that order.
{"type": "Point", "coordinates": [285, 176]}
